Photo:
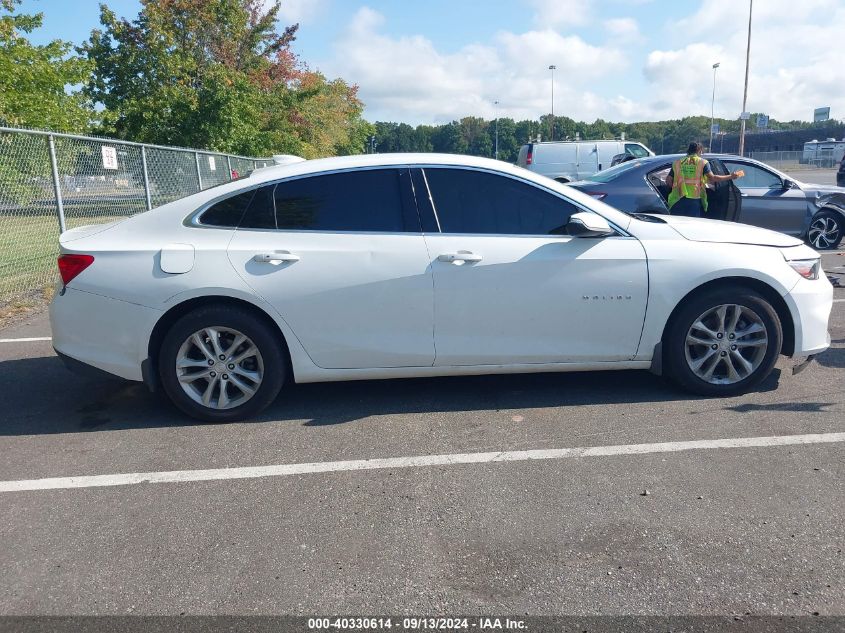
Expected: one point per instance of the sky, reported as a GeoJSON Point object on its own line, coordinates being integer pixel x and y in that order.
{"type": "Point", "coordinates": [434, 61]}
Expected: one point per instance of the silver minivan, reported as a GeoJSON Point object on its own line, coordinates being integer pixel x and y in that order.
{"type": "Point", "coordinates": [567, 161]}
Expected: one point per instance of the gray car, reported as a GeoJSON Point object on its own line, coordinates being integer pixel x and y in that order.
{"type": "Point", "coordinates": [765, 197]}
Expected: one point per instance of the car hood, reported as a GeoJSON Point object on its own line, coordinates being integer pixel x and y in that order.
{"type": "Point", "coordinates": [824, 190]}
{"type": "Point", "coordinates": [703, 230]}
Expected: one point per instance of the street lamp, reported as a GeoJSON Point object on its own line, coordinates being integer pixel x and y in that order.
{"type": "Point", "coordinates": [712, 106]}
{"type": "Point", "coordinates": [745, 93]}
{"type": "Point", "coordinates": [553, 68]}
{"type": "Point", "coordinates": [496, 104]}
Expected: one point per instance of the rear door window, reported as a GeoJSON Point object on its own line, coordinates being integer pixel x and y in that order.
{"type": "Point", "coordinates": [227, 212]}
{"type": "Point", "coordinates": [657, 178]}
{"type": "Point", "coordinates": [362, 200]}
{"type": "Point", "coordinates": [260, 213]}
{"type": "Point", "coordinates": [468, 201]}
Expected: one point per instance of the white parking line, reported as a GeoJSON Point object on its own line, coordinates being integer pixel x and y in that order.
{"type": "Point", "coordinates": [26, 340]}
{"type": "Point", "coordinates": [281, 470]}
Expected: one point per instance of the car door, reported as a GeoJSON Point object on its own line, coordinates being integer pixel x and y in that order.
{"type": "Point", "coordinates": [342, 259]}
{"type": "Point", "coordinates": [765, 201]}
{"type": "Point", "coordinates": [512, 287]}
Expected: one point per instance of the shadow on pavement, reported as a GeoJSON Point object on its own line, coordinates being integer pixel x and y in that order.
{"type": "Point", "coordinates": [804, 407]}
{"type": "Point", "coordinates": [833, 357]}
{"type": "Point", "coordinates": [42, 397]}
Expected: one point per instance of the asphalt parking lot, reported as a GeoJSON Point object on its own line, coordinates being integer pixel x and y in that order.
{"type": "Point", "coordinates": [720, 527]}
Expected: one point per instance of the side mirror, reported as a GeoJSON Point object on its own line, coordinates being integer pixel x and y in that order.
{"type": "Point", "coordinates": [585, 224]}
{"type": "Point", "coordinates": [788, 184]}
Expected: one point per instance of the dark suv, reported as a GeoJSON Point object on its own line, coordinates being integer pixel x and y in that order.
{"type": "Point", "coordinates": [840, 175]}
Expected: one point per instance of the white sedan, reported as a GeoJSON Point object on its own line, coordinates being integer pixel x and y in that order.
{"type": "Point", "coordinates": [394, 266]}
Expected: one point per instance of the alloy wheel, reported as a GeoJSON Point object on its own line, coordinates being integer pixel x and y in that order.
{"type": "Point", "coordinates": [726, 344]}
{"type": "Point", "coordinates": [219, 367]}
{"type": "Point", "coordinates": [824, 232]}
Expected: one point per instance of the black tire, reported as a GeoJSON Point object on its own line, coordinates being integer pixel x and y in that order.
{"type": "Point", "coordinates": [676, 367]}
{"type": "Point", "coordinates": [823, 221]}
{"type": "Point", "coordinates": [269, 345]}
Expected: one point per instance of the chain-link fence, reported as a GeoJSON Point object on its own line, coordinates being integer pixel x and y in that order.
{"type": "Point", "coordinates": [791, 161]}
{"type": "Point", "coordinates": [50, 182]}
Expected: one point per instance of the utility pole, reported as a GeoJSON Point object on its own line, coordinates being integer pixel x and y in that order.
{"type": "Point", "coordinates": [553, 68]}
{"type": "Point", "coordinates": [712, 108]}
{"type": "Point", "coordinates": [745, 93]}
{"type": "Point", "coordinates": [496, 104]}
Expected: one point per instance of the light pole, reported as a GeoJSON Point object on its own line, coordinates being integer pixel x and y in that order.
{"type": "Point", "coordinates": [712, 107]}
{"type": "Point", "coordinates": [553, 68]}
{"type": "Point", "coordinates": [496, 104]}
{"type": "Point", "coordinates": [745, 93]}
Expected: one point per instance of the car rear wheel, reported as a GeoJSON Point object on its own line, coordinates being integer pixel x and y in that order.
{"type": "Point", "coordinates": [722, 342]}
{"type": "Point", "coordinates": [826, 230]}
{"type": "Point", "coordinates": [221, 364]}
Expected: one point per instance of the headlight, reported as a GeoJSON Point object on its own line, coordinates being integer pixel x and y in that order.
{"type": "Point", "coordinates": [807, 268]}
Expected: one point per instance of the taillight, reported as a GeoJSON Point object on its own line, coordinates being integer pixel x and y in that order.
{"type": "Point", "coordinates": [529, 157]}
{"type": "Point", "coordinates": [597, 194]}
{"type": "Point", "coordinates": [71, 265]}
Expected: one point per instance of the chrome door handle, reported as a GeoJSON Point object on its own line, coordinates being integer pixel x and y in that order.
{"type": "Point", "coordinates": [460, 257]}
{"type": "Point", "coordinates": [275, 258]}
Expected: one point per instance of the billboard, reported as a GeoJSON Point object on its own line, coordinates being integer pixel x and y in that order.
{"type": "Point", "coordinates": [821, 114]}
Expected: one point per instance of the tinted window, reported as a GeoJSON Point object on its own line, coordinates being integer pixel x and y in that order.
{"type": "Point", "coordinates": [260, 214]}
{"type": "Point", "coordinates": [469, 201]}
{"type": "Point", "coordinates": [366, 200]}
{"type": "Point", "coordinates": [636, 150]}
{"type": "Point", "coordinates": [227, 212]}
{"type": "Point", "coordinates": [754, 176]}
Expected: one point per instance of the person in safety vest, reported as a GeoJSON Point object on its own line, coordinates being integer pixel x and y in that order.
{"type": "Point", "coordinates": [687, 180]}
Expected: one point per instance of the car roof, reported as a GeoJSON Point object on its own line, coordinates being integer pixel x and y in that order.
{"type": "Point", "coordinates": [315, 166]}
{"type": "Point", "coordinates": [708, 156]}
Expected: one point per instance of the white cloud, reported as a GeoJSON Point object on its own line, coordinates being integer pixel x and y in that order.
{"type": "Point", "coordinates": [795, 60]}
{"type": "Point", "coordinates": [795, 65]}
{"type": "Point", "coordinates": [300, 11]}
{"type": "Point", "coordinates": [408, 79]}
{"type": "Point", "coordinates": [623, 29]}
{"type": "Point", "coordinates": [561, 13]}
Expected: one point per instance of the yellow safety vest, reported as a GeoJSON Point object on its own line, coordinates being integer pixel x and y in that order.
{"type": "Point", "coordinates": [688, 180]}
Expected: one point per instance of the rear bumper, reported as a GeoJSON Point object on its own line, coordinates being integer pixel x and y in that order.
{"type": "Point", "coordinates": [810, 303]}
{"type": "Point", "coordinates": [102, 333]}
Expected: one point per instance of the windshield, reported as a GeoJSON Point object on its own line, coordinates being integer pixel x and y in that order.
{"type": "Point", "coordinates": [614, 172]}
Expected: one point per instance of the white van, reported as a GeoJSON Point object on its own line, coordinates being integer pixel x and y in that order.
{"type": "Point", "coordinates": [567, 161]}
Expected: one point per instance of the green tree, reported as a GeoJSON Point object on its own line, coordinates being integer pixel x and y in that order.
{"type": "Point", "coordinates": [37, 82]}
{"type": "Point", "coordinates": [448, 139]}
{"type": "Point", "coordinates": [508, 144]}
{"type": "Point", "coordinates": [216, 74]}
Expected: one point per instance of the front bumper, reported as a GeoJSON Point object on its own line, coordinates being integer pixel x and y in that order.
{"type": "Point", "coordinates": [810, 302]}
{"type": "Point", "coordinates": [101, 332]}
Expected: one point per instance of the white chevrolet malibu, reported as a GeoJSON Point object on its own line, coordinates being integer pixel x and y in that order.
{"type": "Point", "coordinates": [393, 266]}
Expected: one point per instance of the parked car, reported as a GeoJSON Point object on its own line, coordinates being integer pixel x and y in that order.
{"type": "Point", "coordinates": [765, 197]}
{"type": "Point", "coordinates": [566, 161]}
{"type": "Point", "coordinates": [392, 266]}
{"type": "Point", "coordinates": [840, 175]}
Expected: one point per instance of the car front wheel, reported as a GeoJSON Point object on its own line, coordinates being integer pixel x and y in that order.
{"type": "Point", "coordinates": [221, 364]}
{"type": "Point", "coordinates": [723, 342]}
{"type": "Point", "coordinates": [826, 230]}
